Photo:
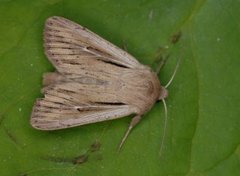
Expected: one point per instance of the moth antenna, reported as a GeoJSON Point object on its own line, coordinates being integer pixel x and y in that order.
{"type": "Point", "coordinates": [133, 123]}
{"type": "Point", "coordinates": [164, 127]}
{"type": "Point", "coordinates": [174, 73]}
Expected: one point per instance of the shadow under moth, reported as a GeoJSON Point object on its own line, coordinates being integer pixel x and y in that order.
{"type": "Point", "coordinates": [94, 80]}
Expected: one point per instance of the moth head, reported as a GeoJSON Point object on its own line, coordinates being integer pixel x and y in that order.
{"type": "Point", "coordinates": [163, 93]}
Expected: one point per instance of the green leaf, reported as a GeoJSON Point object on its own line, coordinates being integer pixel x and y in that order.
{"type": "Point", "coordinates": [202, 136]}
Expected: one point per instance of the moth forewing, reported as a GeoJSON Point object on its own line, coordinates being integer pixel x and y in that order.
{"type": "Point", "coordinates": [95, 80]}
{"type": "Point", "coordinates": [75, 38]}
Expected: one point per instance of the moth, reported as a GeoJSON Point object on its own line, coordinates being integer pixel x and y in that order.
{"type": "Point", "coordinates": [94, 80]}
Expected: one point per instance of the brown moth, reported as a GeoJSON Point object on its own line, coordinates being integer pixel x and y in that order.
{"type": "Point", "coordinates": [94, 80]}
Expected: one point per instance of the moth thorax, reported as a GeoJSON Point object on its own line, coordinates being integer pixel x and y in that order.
{"type": "Point", "coordinates": [163, 93]}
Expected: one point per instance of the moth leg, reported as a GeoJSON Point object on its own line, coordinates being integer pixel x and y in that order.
{"type": "Point", "coordinates": [124, 46]}
{"type": "Point", "coordinates": [162, 61]}
{"type": "Point", "coordinates": [133, 123]}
